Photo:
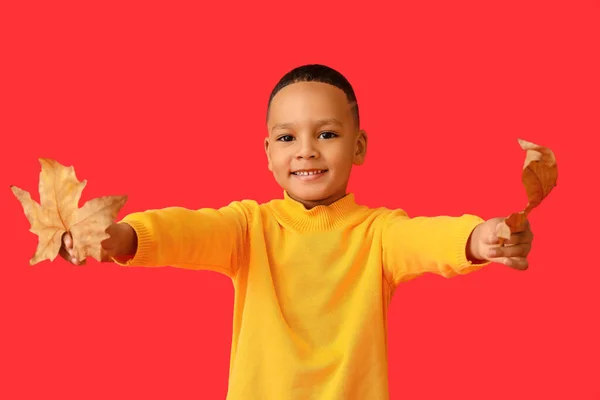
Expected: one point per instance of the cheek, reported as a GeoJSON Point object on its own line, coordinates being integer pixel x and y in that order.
{"type": "Point", "coordinates": [280, 161]}
{"type": "Point", "coordinates": [341, 158]}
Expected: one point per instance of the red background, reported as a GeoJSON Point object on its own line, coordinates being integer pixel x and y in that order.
{"type": "Point", "coordinates": [166, 103]}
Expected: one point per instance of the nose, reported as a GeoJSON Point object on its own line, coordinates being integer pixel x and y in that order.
{"type": "Point", "coordinates": [307, 149]}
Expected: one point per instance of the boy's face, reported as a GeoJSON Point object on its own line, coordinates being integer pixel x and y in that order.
{"type": "Point", "coordinates": [313, 142]}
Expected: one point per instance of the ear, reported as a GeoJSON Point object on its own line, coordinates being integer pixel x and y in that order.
{"type": "Point", "coordinates": [267, 143]}
{"type": "Point", "coordinates": [361, 148]}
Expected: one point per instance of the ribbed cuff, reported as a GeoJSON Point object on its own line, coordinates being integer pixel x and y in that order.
{"type": "Point", "coordinates": [462, 234]}
{"type": "Point", "coordinates": [145, 244]}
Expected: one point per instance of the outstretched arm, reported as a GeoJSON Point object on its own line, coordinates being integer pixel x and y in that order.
{"type": "Point", "coordinates": [212, 239]}
{"type": "Point", "coordinates": [439, 245]}
{"type": "Point", "coordinates": [447, 246]}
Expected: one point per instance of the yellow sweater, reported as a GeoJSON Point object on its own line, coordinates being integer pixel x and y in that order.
{"type": "Point", "coordinates": [312, 287]}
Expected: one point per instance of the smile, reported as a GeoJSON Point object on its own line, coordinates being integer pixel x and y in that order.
{"type": "Point", "coordinates": [309, 174]}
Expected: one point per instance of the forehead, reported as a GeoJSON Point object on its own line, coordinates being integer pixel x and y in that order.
{"type": "Point", "coordinates": [303, 102]}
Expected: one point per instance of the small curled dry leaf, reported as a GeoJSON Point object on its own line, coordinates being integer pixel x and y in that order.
{"type": "Point", "coordinates": [540, 173]}
{"type": "Point", "coordinates": [539, 177]}
{"type": "Point", "coordinates": [58, 212]}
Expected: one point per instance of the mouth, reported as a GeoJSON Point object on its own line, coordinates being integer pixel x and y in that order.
{"type": "Point", "coordinates": [309, 174]}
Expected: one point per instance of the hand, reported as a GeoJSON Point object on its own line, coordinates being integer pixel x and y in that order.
{"type": "Point", "coordinates": [484, 245]}
{"type": "Point", "coordinates": [122, 242]}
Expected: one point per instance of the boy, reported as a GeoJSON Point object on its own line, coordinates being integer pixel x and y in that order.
{"type": "Point", "coordinates": [313, 272]}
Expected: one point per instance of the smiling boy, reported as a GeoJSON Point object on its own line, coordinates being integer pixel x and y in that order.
{"type": "Point", "coordinates": [314, 137]}
{"type": "Point", "coordinates": [314, 272]}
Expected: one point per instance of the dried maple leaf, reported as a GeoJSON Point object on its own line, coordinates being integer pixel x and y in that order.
{"type": "Point", "coordinates": [539, 178]}
{"type": "Point", "coordinates": [58, 212]}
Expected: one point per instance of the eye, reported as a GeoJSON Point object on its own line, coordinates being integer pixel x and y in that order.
{"type": "Point", "coordinates": [285, 138]}
{"type": "Point", "coordinates": [327, 135]}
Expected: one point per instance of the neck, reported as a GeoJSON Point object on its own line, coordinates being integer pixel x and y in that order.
{"type": "Point", "coordinates": [310, 204]}
{"type": "Point", "coordinates": [322, 215]}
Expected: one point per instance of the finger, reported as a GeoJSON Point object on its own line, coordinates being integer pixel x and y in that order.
{"type": "Point", "coordinates": [67, 240]}
{"type": "Point", "coordinates": [69, 257]}
{"type": "Point", "coordinates": [522, 237]}
{"type": "Point", "coordinates": [64, 254]}
{"type": "Point", "coordinates": [492, 238]}
{"type": "Point", "coordinates": [107, 244]}
{"type": "Point", "coordinates": [105, 256]}
{"type": "Point", "coordinates": [75, 261]}
{"type": "Point", "coordinates": [518, 263]}
{"type": "Point", "coordinates": [66, 250]}
{"type": "Point", "coordinates": [517, 250]}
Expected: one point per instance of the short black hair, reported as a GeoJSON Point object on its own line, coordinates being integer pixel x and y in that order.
{"type": "Point", "coordinates": [318, 73]}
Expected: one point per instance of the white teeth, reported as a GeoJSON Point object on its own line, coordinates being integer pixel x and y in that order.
{"type": "Point", "coordinates": [305, 173]}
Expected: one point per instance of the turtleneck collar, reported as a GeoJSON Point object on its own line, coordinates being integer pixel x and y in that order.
{"type": "Point", "coordinates": [322, 217]}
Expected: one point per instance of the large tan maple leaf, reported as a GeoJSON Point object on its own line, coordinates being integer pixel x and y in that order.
{"type": "Point", "coordinates": [539, 177]}
{"type": "Point", "coordinates": [58, 212]}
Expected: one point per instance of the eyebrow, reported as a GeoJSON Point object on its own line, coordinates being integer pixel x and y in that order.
{"type": "Point", "coordinates": [320, 122]}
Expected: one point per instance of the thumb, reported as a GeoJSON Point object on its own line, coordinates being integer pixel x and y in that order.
{"type": "Point", "coordinates": [502, 230]}
{"type": "Point", "coordinates": [105, 256]}
{"type": "Point", "coordinates": [492, 229]}
{"type": "Point", "coordinates": [514, 223]}
{"type": "Point", "coordinates": [67, 241]}
{"type": "Point", "coordinates": [68, 250]}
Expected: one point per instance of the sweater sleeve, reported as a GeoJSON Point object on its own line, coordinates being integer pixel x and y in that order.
{"type": "Point", "coordinates": [208, 239]}
{"type": "Point", "coordinates": [414, 246]}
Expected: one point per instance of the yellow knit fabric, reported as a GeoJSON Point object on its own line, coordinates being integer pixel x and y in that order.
{"type": "Point", "coordinates": [312, 287]}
